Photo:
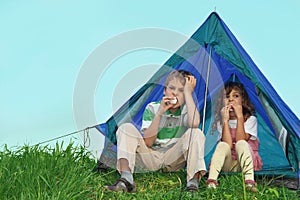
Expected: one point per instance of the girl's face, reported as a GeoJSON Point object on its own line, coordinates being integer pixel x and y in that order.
{"type": "Point", "coordinates": [175, 88]}
{"type": "Point", "coordinates": [233, 98]}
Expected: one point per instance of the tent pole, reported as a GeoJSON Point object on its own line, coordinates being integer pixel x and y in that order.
{"type": "Point", "coordinates": [206, 89]}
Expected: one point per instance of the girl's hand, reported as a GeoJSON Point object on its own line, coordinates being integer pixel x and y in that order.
{"type": "Point", "coordinates": [225, 113]}
{"type": "Point", "coordinates": [238, 110]}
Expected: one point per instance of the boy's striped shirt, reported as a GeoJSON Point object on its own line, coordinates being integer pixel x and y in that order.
{"type": "Point", "coordinates": [171, 127]}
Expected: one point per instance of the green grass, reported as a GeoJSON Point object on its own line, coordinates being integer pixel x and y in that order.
{"type": "Point", "coordinates": [41, 172]}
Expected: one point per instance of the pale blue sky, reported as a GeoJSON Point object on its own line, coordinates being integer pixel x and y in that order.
{"type": "Point", "coordinates": [44, 44]}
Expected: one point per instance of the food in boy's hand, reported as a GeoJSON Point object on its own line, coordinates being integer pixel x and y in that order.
{"type": "Point", "coordinates": [173, 101]}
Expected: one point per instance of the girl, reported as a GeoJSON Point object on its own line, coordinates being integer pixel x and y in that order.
{"type": "Point", "coordinates": [237, 149]}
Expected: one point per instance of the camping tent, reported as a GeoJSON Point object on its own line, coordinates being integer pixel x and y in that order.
{"type": "Point", "coordinates": [213, 55]}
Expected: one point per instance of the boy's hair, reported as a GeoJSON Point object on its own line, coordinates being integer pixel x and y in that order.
{"type": "Point", "coordinates": [248, 107]}
{"type": "Point", "coordinates": [178, 74]}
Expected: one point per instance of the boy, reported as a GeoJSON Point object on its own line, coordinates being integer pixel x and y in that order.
{"type": "Point", "coordinates": [171, 137]}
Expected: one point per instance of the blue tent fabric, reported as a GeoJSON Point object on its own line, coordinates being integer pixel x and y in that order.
{"type": "Point", "coordinates": [213, 52]}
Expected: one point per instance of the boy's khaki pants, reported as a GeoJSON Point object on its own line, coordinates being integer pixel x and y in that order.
{"type": "Point", "coordinates": [222, 160]}
{"type": "Point", "coordinates": [188, 150]}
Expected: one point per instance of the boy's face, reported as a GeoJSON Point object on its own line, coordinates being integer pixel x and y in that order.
{"type": "Point", "coordinates": [175, 88]}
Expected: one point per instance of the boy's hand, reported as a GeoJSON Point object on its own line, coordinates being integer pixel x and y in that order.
{"type": "Point", "coordinates": [190, 83]}
{"type": "Point", "coordinates": [165, 105]}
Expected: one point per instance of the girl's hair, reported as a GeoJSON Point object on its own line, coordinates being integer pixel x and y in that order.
{"type": "Point", "coordinates": [248, 107]}
{"type": "Point", "coordinates": [178, 74]}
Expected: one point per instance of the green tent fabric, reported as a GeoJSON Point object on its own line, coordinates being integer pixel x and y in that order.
{"type": "Point", "coordinates": [213, 55]}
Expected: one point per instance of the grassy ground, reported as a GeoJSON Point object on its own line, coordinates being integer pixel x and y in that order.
{"type": "Point", "coordinates": [55, 173]}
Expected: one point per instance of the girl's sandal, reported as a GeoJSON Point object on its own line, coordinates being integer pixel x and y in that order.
{"type": "Point", "coordinates": [212, 184]}
{"type": "Point", "coordinates": [251, 186]}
